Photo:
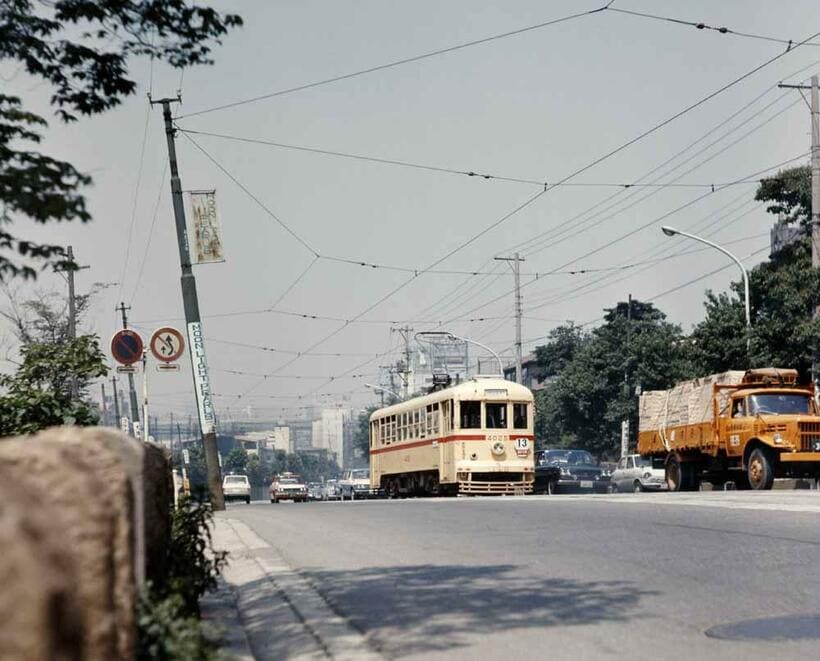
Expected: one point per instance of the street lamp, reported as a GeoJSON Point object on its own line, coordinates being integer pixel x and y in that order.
{"type": "Point", "coordinates": [671, 231]}
{"type": "Point", "coordinates": [379, 388]}
{"type": "Point", "coordinates": [453, 336]}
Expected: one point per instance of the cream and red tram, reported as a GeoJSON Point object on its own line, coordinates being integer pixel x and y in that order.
{"type": "Point", "coordinates": [472, 438]}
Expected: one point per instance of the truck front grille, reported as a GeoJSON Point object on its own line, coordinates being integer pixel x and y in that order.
{"type": "Point", "coordinates": [809, 435]}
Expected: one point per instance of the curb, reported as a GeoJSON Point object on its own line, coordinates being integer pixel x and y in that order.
{"type": "Point", "coordinates": [282, 613]}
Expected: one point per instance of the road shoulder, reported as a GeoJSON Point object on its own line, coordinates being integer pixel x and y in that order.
{"type": "Point", "coordinates": [282, 614]}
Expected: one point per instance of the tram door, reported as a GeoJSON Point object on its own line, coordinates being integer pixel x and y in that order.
{"type": "Point", "coordinates": [446, 447]}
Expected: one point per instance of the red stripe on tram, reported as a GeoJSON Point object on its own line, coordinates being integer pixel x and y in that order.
{"type": "Point", "coordinates": [444, 439]}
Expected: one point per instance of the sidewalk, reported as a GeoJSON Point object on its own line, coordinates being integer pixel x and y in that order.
{"type": "Point", "coordinates": [264, 609]}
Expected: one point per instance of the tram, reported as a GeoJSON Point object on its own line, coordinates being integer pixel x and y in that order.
{"type": "Point", "coordinates": [473, 438]}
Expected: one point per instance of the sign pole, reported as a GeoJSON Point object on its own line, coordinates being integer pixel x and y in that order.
{"type": "Point", "coordinates": [145, 395]}
{"type": "Point", "coordinates": [193, 322]}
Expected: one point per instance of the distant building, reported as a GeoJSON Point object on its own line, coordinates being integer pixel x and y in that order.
{"type": "Point", "coordinates": [532, 374]}
{"type": "Point", "coordinates": [783, 234]}
{"type": "Point", "coordinates": [329, 432]}
{"type": "Point", "coordinates": [264, 443]}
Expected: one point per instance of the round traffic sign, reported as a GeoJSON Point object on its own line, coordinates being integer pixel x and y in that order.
{"type": "Point", "coordinates": [126, 346]}
{"type": "Point", "coordinates": [167, 344]}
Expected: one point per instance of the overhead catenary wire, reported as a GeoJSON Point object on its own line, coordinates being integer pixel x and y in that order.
{"type": "Point", "coordinates": [135, 202]}
{"type": "Point", "coordinates": [150, 233]}
{"type": "Point", "coordinates": [535, 197]}
{"type": "Point", "coordinates": [700, 25]}
{"type": "Point", "coordinates": [397, 63]}
{"type": "Point", "coordinates": [445, 170]}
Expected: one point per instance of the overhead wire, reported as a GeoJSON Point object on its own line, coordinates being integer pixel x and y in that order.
{"type": "Point", "coordinates": [535, 197]}
{"type": "Point", "coordinates": [150, 233]}
{"type": "Point", "coordinates": [396, 63]}
{"type": "Point", "coordinates": [135, 202]}
{"type": "Point", "coordinates": [442, 170]}
{"type": "Point", "coordinates": [704, 26]}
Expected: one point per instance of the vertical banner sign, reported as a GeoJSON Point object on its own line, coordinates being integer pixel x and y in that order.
{"type": "Point", "coordinates": [624, 438]}
{"type": "Point", "coordinates": [202, 384]}
{"type": "Point", "coordinates": [208, 247]}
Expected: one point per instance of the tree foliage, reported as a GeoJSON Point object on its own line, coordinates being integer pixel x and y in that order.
{"type": "Point", "coordinates": [593, 390]}
{"type": "Point", "coordinates": [81, 49]}
{"type": "Point", "coordinates": [788, 194]}
{"type": "Point", "coordinates": [783, 293]}
{"type": "Point", "coordinates": [236, 461]}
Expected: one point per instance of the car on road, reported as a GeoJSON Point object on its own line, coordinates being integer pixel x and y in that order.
{"type": "Point", "coordinates": [355, 483]}
{"type": "Point", "coordinates": [236, 487]}
{"type": "Point", "coordinates": [332, 491]}
{"type": "Point", "coordinates": [635, 473]}
{"type": "Point", "coordinates": [287, 486]}
{"type": "Point", "coordinates": [315, 491]}
{"type": "Point", "coordinates": [570, 470]}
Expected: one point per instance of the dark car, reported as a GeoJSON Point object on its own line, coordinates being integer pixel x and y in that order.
{"type": "Point", "coordinates": [569, 471]}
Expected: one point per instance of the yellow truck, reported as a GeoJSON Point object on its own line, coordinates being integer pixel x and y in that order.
{"type": "Point", "coordinates": [747, 427]}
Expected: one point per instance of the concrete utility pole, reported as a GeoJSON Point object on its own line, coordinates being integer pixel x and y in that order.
{"type": "Point", "coordinates": [132, 390]}
{"type": "Point", "coordinates": [405, 332]}
{"type": "Point", "coordinates": [193, 322]}
{"type": "Point", "coordinates": [104, 420]}
{"type": "Point", "coordinates": [815, 190]}
{"type": "Point", "coordinates": [72, 309]}
{"type": "Point", "coordinates": [116, 401]}
{"type": "Point", "coordinates": [515, 263]}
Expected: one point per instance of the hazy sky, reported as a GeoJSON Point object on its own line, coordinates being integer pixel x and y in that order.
{"type": "Point", "coordinates": [535, 106]}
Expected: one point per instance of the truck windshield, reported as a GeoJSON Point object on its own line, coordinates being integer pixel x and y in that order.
{"type": "Point", "coordinates": [780, 404]}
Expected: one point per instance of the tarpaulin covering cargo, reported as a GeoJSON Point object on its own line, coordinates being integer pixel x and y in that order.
{"type": "Point", "coordinates": [688, 403]}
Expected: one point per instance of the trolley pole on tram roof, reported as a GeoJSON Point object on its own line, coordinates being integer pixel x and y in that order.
{"type": "Point", "coordinates": [193, 321]}
{"type": "Point", "coordinates": [515, 263]}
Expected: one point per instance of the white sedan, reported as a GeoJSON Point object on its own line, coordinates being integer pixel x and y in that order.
{"type": "Point", "coordinates": [635, 473]}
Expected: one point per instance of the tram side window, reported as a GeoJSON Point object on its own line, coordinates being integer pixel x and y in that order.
{"type": "Point", "coordinates": [520, 416]}
{"type": "Point", "coordinates": [496, 415]}
{"type": "Point", "coordinates": [470, 415]}
{"type": "Point", "coordinates": [393, 434]}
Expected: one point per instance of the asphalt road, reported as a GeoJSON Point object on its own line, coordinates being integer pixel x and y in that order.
{"type": "Point", "coordinates": [645, 576]}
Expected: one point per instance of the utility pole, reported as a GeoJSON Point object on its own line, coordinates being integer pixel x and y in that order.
{"type": "Point", "coordinates": [132, 391]}
{"type": "Point", "coordinates": [193, 322]}
{"type": "Point", "coordinates": [405, 332]}
{"type": "Point", "coordinates": [515, 263]}
{"type": "Point", "coordinates": [105, 420]}
{"type": "Point", "coordinates": [70, 268]}
{"type": "Point", "coordinates": [815, 191]}
{"type": "Point", "coordinates": [625, 421]}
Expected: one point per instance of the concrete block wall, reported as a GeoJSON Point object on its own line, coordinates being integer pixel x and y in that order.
{"type": "Point", "coordinates": [84, 518]}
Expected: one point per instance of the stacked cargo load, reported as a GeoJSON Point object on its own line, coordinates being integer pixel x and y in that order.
{"type": "Point", "coordinates": [676, 417]}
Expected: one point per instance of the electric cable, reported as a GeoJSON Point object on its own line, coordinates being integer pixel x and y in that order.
{"type": "Point", "coordinates": [396, 63]}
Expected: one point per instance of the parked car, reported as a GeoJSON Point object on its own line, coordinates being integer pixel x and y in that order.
{"type": "Point", "coordinates": [546, 475]}
{"type": "Point", "coordinates": [236, 487]}
{"type": "Point", "coordinates": [287, 486]}
{"type": "Point", "coordinates": [355, 483]}
{"type": "Point", "coordinates": [332, 490]}
{"type": "Point", "coordinates": [635, 473]}
{"type": "Point", "coordinates": [315, 491]}
{"type": "Point", "coordinates": [570, 470]}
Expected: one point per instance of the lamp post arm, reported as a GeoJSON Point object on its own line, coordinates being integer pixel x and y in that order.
{"type": "Point", "coordinates": [736, 261]}
{"type": "Point", "coordinates": [486, 348]}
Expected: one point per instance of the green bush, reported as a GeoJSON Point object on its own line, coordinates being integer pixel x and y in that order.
{"type": "Point", "coordinates": [168, 611]}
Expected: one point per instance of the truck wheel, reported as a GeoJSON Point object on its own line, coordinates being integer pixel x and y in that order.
{"type": "Point", "coordinates": [760, 470]}
{"type": "Point", "coordinates": [637, 487]}
{"type": "Point", "coordinates": [674, 475]}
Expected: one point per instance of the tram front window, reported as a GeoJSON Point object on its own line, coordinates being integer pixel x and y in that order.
{"type": "Point", "coordinates": [496, 415]}
{"type": "Point", "coordinates": [470, 415]}
{"type": "Point", "coordinates": [519, 416]}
